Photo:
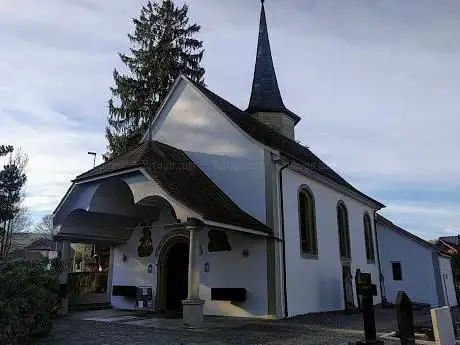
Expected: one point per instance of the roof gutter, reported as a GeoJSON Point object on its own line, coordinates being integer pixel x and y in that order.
{"type": "Point", "coordinates": [285, 299]}
{"type": "Point", "coordinates": [381, 278]}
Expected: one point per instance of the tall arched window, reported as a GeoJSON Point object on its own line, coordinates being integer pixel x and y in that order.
{"type": "Point", "coordinates": [308, 241]}
{"type": "Point", "coordinates": [344, 231]}
{"type": "Point", "coordinates": [368, 238]}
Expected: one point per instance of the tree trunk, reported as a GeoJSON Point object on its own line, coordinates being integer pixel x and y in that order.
{"type": "Point", "coordinates": [8, 237]}
{"type": "Point", "coordinates": [2, 247]}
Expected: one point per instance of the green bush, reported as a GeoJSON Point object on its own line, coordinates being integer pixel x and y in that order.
{"type": "Point", "coordinates": [28, 293]}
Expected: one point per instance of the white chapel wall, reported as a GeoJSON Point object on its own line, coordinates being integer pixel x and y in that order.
{"type": "Point", "coordinates": [418, 276]}
{"type": "Point", "coordinates": [233, 161]}
{"type": "Point", "coordinates": [315, 285]}
{"type": "Point", "coordinates": [230, 269]}
{"type": "Point", "coordinates": [447, 281]}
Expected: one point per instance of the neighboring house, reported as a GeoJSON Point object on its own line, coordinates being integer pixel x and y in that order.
{"type": "Point", "coordinates": [270, 229]}
{"type": "Point", "coordinates": [413, 265]}
{"type": "Point", "coordinates": [449, 244]}
{"type": "Point", "coordinates": [38, 249]}
{"type": "Point", "coordinates": [45, 246]}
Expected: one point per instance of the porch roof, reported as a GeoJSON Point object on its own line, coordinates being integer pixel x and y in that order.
{"type": "Point", "coordinates": [181, 178]}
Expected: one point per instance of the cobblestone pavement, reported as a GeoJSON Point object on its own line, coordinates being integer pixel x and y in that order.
{"type": "Point", "coordinates": [130, 328]}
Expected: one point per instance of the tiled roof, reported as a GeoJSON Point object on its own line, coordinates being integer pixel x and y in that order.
{"type": "Point", "coordinates": [271, 138]}
{"type": "Point", "coordinates": [180, 177]}
{"type": "Point", "coordinates": [42, 244]}
{"type": "Point", "coordinates": [381, 219]}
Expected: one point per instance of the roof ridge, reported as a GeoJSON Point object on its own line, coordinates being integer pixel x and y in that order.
{"type": "Point", "coordinates": [272, 132]}
{"type": "Point", "coordinates": [112, 159]}
{"type": "Point", "coordinates": [407, 232]}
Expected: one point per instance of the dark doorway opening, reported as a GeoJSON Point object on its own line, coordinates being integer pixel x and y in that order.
{"type": "Point", "coordinates": [176, 276]}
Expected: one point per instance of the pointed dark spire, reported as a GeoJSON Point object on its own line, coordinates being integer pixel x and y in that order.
{"type": "Point", "coordinates": [266, 95]}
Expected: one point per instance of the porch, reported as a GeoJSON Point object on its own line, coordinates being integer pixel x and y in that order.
{"type": "Point", "coordinates": [163, 255]}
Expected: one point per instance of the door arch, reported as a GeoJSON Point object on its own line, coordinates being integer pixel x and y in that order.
{"type": "Point", "coordinates": [172, 278]}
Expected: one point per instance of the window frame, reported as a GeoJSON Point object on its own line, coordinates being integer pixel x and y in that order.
{"type": "Point", "coordinates": [393, 271]}
{"type": "Point", "coordinates": [368, 238]}
{"type": "Point", "coordinates": [343, 227]}
{"type": "Point", "coordinates": [309, 222]}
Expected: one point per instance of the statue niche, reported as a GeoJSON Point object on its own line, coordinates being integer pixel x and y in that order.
{"type": "Point", "coordinates": [218, 241]}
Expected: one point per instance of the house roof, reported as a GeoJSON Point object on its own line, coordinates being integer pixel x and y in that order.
{"type": "Point", "coordinates": [42, 244]}
{"type": "Point", "coordinates": [271, 138]}
{"type": "Point", "coordinates": [265, 94]}
{"type": "Point", "coordinates": [447, 244]}
{"type": "Point", "coordinates": [381, 219]}
{"type": "Point", "coordinates": [181, 178]}
{"type": "Point", "coordinates": [23, 254]}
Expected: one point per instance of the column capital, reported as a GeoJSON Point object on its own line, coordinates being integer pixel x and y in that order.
{"type": "Point", "coordinates": [194, 224]}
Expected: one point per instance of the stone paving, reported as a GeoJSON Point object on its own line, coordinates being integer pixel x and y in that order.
{"type": "Point", "coordinates": [124, 327]}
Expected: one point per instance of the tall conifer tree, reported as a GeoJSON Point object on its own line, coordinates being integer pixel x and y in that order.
{"type": "Point", "coordinates": [163, 46]}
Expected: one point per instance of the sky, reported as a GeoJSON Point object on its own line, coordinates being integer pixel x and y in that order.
{"type": "Point", "coordinates": [375, 82]}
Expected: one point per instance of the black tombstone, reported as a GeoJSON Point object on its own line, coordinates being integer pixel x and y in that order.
{"type": "Point", "coordinates": [405, 319]}
{"type": "Point", "coordinates": [367, 290]}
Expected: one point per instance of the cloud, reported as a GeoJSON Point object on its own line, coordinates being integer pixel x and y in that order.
{"type": "Point", "coordinates": [375, 83]}
{"type": "Point", "coordinates": [425, 219]}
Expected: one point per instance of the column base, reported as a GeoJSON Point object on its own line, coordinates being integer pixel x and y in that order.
{"type": "Point", "coordinates": [193, 312]}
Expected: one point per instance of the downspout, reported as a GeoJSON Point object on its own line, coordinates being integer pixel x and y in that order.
{"type": "Point", "coordinates": [382, 287]}
{"type": "Point", "coordinates": [283, 237]}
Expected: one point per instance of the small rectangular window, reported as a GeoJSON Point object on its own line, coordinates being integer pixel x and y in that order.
{"type": "Point", "coordinates": [397, 273]}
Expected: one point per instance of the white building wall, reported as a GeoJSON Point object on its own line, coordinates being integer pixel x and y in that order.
{"type": "Point", "coordinates": [133, 271]}
{"type": "Point", "coordinates": [418, 276]}
{"type": "Point", "coordinates": [315, 285]}
{"type": "Point", "coordinates": [229, 269]}
{"type": "Point", "coordinates": [226, 270]}
{"type": "Point", "coordinates": [448, 286]}
{"type": "Point", "coordinates": [228, 156]}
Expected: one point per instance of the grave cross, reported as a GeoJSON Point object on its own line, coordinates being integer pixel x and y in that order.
{"type": "Point", "coordinates": [405, 319]}
{"type": "Point", "coordinates": [367, 290]}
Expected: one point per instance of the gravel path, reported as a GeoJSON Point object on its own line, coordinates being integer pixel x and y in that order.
{"type": "Point", "coordinates": [116, 327]}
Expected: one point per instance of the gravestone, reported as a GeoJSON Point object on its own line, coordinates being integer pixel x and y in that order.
{"type": "Point", "coordinates": [367, 290]}
{"type": "Point", "coordinates": [442, 326]}
{"type": "Point", "coordinates": [405, 319]}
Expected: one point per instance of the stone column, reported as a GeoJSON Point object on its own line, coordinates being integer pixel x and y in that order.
{"type": "Point", "coordinates": [63, 278]}
{"type": "Point", "coordinates": [193, 305]}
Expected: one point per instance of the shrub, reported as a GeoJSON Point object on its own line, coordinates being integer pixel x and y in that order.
{"type": "Point", "coordinates": [28, 293]}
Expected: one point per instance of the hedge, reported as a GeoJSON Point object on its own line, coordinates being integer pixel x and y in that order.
{"type": "Point", "coordinates": [28, 294]}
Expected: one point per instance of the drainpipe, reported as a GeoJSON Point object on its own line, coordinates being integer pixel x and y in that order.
{"type": "Point", "coordinates": [283, 237]}
{"type": "Point", "coordinates": [382, 287]}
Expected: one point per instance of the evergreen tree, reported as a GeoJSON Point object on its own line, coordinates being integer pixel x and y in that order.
{"type": "Point", "coordinates": [12, 180]}
{"type": "Point", "coordinates": [5, 149]}
{"type": "Point", "coordinates": [163, 46]}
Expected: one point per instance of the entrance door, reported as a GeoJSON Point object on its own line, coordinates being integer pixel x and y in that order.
{"type": "Point", "coordinates": [348, 286]}
{"type": "Point", "coordinates": [176, 276]}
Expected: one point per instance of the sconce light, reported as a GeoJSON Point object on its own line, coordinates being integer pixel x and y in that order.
{"type": "Point", "coordinates": [124, 258]}
{"type": "Point", "coordinates": [206, 267]}
{"type": "Point", "coordinates": [150, 268]}
{"type": "Point", "coordinates": [245, 252]}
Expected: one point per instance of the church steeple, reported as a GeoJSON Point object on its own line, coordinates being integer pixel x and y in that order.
{"type": "Point", "coordinates": [266, 103]}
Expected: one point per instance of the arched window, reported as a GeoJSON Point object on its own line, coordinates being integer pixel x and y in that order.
{"type": "Point", "coordinates": [344, 231]}
{"type": "Point", "coordinates": [368, 238]}
{"type": "Point", "coordinates": [308, 241]}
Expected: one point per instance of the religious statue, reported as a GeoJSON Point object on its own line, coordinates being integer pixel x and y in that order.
{"type": "Point", "coordinates": [145, 247]}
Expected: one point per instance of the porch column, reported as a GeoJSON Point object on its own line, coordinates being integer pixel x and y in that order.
{"type": "Point", "coordinates": [63, 278]}
{"type": "Point", "coordinates": [193, 305]}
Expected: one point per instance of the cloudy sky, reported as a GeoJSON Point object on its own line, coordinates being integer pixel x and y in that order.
{"type": "Point", "coordinates": [376, 83]}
